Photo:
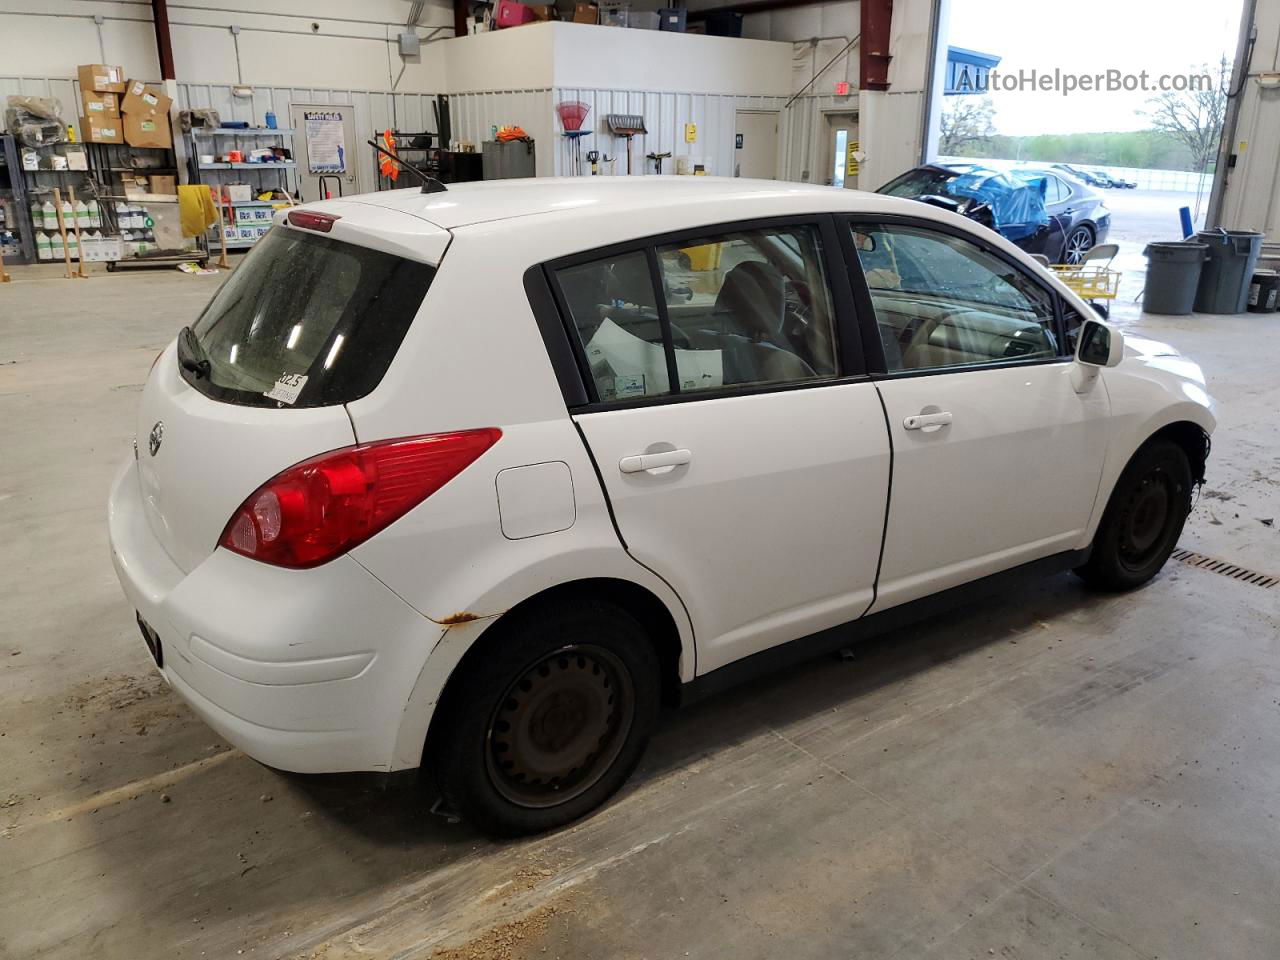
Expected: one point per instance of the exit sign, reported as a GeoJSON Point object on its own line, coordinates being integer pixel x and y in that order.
{"type": "Point", "coordinates": [842, 88]}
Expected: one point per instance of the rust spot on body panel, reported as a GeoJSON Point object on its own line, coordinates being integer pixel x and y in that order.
{"type": "Point", "coordinates": [462, 616]}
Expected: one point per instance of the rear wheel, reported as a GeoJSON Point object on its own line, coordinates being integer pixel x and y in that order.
{"type": "Point", "coordinates": [1079, 242]}
{"type": "Point", "coordinates": [1143, 519]}
{"type": "Point", "coordinates": [549, 720]}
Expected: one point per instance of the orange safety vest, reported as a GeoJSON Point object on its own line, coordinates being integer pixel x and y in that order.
{"type": "Point", "coordinates": [388, 167]}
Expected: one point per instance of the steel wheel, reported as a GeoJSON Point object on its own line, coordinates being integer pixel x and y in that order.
{"type": "Point", "coordinates": [557, 730]}
{"type": "Point", "coordinates": [1078, 244]}
{"type": "Point", "coordinates": [1144, 521]}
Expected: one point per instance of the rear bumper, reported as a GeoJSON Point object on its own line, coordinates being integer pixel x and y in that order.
{"type": "Point", "coordinates": [304, 670]}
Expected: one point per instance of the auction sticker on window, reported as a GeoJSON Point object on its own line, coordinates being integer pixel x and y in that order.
{"type": "Point", "coordinates": [287, 387]}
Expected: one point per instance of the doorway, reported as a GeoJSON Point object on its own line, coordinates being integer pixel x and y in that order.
{"type": "Point", "coordinates": [324, 145]}
{"type": "Point", "coordinates": [755, 151]}
{"type": "Point", "coordinates": [842, 149]}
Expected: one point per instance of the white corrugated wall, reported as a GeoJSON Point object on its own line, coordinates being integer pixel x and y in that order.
{"type": "Point", "coordinates": [474, 115]}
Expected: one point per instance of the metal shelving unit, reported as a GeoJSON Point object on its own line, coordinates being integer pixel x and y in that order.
{"type": "Point", "coordinates": [213, 141]}
{"type": "Point", "coordinates": [13, 190]}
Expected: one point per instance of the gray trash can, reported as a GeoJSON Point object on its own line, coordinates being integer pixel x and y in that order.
{"type": "Point", "coordinates": [1224, 282]}
{"type": "Point", "coordinates": [1173, 273]}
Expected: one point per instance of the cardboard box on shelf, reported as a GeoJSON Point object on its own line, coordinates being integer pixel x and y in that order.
{"type": "Point", "coordinates": [95, 104]}
{"type": "Point", "coordinates": [77, 159]}
{"type": "Point", "coordinates": [143, 98]}
{"type": "Point", "coordinates": [165, 184]}
{"type": "Point", "coordinates": [146, 130]}
{"type": "Point", "coordinates": [544, 11]}
{"type": "Point", "coordinates": [100, 77]}
{"type": "Point", "coordinates": [101, 130]}
{"type": "Point", "coordinates": [239, 192]}
{"type": "Point", "coordinates": [586, 13]}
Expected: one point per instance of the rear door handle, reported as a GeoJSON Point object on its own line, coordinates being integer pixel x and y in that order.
{"type": "Point", "coordinates": [928, 422]}
{"type": "Point", "coordinates": [654, 461]}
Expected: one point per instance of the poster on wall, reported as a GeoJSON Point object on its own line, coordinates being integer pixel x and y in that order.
{"type": "Point", "coordinates": [326, 149]}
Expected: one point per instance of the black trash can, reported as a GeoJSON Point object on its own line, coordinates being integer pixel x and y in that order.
{"type": "Point", "coordinates": [1263, 290]}
{"type": "Point", "coordinates": [1224, 281]}
{"type": "Point", "coordinates": [1173, 274]}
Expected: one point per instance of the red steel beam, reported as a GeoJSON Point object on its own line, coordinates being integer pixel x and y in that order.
{"type": "Point", "coordinates": [877, 17]}
{"type": "Point", "coordinates": [164, 47]}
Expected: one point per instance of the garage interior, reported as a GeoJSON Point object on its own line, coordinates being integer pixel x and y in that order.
{"type": "Point", "coordinates": [1050, 773]}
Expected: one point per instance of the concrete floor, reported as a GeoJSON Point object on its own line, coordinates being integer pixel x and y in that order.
{"type": "Point", "coordinates": [1055, 775]}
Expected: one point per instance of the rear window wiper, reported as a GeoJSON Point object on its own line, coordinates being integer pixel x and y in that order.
{"type": "Point", "coordinates": [191, 354]}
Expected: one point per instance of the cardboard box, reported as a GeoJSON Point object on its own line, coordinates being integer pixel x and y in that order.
{"type": "Point", "coordinates": [101, 130]}
{"type": "Point", "coordinates": [101, 77]}
{"type": "Point", "coordinates": [163, 184]}
{"type": "Point", "coordinates": [544, 11]}
{"type": "Point", "coordinates": [239, 192]}
{"type": "Point", "coordinates": [144, 99]}
{"type": "Point", "coordinates": [95, 104]}
{"type": "Point", "coordinates": [99, 249]}
{"type": "Point", "coordinates": [77, 159]}
{"type": "Point", "coordinates": [147, 130]}
{"type": "Point", "coordinates": [586, 13]}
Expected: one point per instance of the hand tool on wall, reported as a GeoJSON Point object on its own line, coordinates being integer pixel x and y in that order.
{"type": "Point", "coordinates": [625, 125]}
{"type": "Point", "coordinates": [657, 159]}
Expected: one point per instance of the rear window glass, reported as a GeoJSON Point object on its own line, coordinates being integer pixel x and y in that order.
{"type": "Point", "coordinates": [305, 321]}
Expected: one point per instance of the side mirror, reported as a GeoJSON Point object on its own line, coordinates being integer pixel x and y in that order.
{"type": "Point", "coordinates": [1100, 345]}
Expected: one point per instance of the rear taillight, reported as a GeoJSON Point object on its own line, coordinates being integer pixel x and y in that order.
{"type": "Point", "coordinates": [309, 220]}
{"type": "Point", "coordinates": [321, 508]}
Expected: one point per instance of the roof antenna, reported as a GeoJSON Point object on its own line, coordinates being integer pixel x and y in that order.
{"type": "Point", "coordinates": [429, 184]}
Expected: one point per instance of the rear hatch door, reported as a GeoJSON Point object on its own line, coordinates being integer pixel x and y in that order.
{"type": "Point", "coordinates": [308, 322]}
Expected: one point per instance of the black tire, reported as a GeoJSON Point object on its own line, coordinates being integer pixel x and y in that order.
{"type": "Point", "coordinates": [1143, 519]}
{"type": "Point", "coordinates": [547, 721]}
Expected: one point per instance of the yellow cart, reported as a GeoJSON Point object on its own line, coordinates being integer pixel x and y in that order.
{"type": "Point", "coordinates": [1093, 282]}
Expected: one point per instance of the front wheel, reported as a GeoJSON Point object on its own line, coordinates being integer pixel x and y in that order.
{"type": "Point", "coordinates": [549, 719]}
{"type": "Point", "coordinates": [1143, 519]}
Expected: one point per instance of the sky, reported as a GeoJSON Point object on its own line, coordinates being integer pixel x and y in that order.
{"type": "Point", "coordinates": [1160, 36]}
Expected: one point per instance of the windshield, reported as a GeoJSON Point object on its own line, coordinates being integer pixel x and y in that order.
{"type": "Point", "coordinates": [305, 321]}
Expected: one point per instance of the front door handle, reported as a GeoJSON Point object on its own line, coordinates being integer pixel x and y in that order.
{"type": "Point", "coordinates": [654, 461]}
{"type": "Point", "coordinates": [928, 422]}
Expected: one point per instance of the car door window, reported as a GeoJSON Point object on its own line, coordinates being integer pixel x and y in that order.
{"type": "Point", "coordinates": [749, 307]}
{"type": "Point", "coordinates": [942, 301]}
{"type": "Point", "coordinates": [743, 307]}
{"type": "Point", "coordinates": [614, 309]}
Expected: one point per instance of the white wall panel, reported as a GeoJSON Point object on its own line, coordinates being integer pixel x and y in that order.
{"type": "Point", "coordinates": [665, 117]}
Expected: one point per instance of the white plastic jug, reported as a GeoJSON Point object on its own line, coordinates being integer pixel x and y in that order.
{"type": "Point", "coordinates": [44, 250]}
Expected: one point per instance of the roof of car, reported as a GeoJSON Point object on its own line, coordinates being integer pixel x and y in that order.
{"type": "Point", "coordinates": [463, 204]}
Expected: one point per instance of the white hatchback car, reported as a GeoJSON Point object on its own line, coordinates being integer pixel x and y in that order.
{"type": "Point", "coordinates": [476, 479]}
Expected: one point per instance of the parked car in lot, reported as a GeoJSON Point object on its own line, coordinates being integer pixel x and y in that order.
{"type": "Point", "coordinates": [475, 480]}
{"type": "Point", "coordinates": [1042, 210]}
{"type": "Point", "coordinates": [1085, 176]}
{"type": "Point", "coordinates": [1079, 215]}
